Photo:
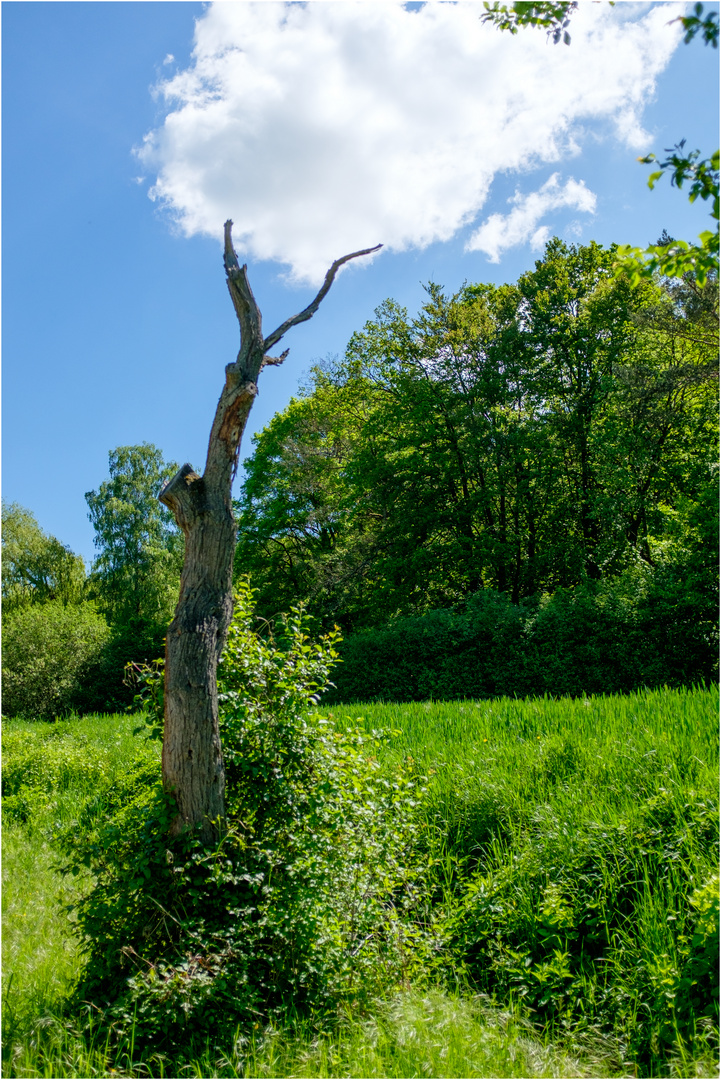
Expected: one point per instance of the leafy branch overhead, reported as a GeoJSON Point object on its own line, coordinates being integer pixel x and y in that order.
{"type": "Point", "coordinates": [676, 258]}
{"type": "Point", "coordinates": [707, 26]}
{"type": "Point", "coordinates": [555, 17]}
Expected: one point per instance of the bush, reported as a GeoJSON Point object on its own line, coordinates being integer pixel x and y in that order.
{"type": "Point", "coordinates": [605, 925]}
{"type": "Point", "coordinates": [137, 641]}
{"type": "Point", "coordinates": [302, 902]}
{"type": "Point", "coordinates": [644, 628]}
{"type": "Point", "coordinates": [49, 651]}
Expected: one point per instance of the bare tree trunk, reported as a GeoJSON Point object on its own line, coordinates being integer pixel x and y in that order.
{"type": "Point", "coordinates": [192, 754]}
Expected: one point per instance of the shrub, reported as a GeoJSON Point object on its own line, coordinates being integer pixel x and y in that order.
{"type": "Point", "coordinates": [138, 641]}
{"type": "Point", "coordinates": [49, 651]}
{"type": "Point", "coordinates": [644, 628]}
{"type": "Point", "coordinates": [301, 903]}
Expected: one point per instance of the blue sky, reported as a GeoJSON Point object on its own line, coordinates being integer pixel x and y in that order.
{"type": "Point", "coordinates": [319, 128]}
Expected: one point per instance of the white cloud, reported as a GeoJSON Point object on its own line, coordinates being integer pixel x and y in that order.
{"type": "Point", "coordinates": [326, 127]}
{"type": "Point", "coordinates": [503, 231]}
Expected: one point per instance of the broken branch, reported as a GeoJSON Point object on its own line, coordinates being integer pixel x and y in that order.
{"type": "Point", "coordinates": [271, 361]}
{"type": "Point", "coordinates": [310, 311]}
{"type": "Point", "coordinates": [241, 293]}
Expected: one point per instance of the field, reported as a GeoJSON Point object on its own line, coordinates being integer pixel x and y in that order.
{"type": "Point", "coordinates": [572, 855]}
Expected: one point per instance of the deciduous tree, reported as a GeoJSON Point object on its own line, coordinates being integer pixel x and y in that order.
{"type": "Point", "coordinates": [520, 437]}
{"type": "Point", "coordinates": [135, 574]}
{"type": "Point", "coordinates": [36, 568]}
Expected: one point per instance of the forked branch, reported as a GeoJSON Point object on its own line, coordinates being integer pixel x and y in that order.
{"type": "Point", "coordinates": [310, 311]}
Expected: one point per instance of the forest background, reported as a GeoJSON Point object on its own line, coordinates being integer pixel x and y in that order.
{"type": "Point", "coordinates": [515, 491]}
{"type": "Point", "coordinates": [445, 464]}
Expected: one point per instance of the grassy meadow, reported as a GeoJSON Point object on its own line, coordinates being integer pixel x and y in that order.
{"type": "Point", "coordinates": [570, 888]}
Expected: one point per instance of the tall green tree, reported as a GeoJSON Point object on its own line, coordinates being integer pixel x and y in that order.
{"type": "Point", "coordinates": [298, 532]}
{"type": "Point", "coordinates": [136, 572]}
{"type": "Point", "coordinates": [36, 567]}
{"type": "Point", "coordinates": [521, 438]}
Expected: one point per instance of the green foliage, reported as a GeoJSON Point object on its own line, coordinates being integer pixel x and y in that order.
{"type": "Point", "coordinates": [136, 573]}
{"type": "Point", "coordinates": [49, 651]}
{"type": "Point", "coordinates": [135, 578]}
{"type": "Point", "coordinates": [696, 989]}
{"type": "Point", "coordinates": [520, 439]}
{"type": "Point", "coordinates": [602, 924]}
{"type": "Point", "coordinates": [707, 26]}
{"type": "Point", "coordinates": [644, 628]}
{"type": "Point", "coordinates": [52, 772]}
{"type": "Point", "coordinates": [554, 16]}
{"type": "Point", "coordinates": [703, 176]}
{"type": "Point", "coordinates": [31, 773]}
{"type": "Point", "coordinates": [303, 901]}
{"type": "Point", "coordinates": [677, 258]}
{"type": "Point", "coordinates": [35, 567]}
{"type": "Point", "coordinates": [137, 597]}
{"type": "Point", "coordinates": [576, 848]}
{"type": "Point", "coordinates": [135, 641]}
{"type": "Point", "coordinates": [148, 682]}
{"type": "Point", "coordinates": [544, 823]}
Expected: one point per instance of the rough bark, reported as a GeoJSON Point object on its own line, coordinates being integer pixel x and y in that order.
{"type": "Point", "coordinates": [192, 754]}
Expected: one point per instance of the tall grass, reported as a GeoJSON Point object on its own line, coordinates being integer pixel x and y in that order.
{"type": "Point", "coordinates": [515, 763]}
{"type": "Point", "coordinates": [535, 812]}
{"type": "Point", "coordinates": [428, 1034]}
{"type": "Point", "coordinates": [682, 722]}
{"type": "Point", "coordinates": [51, 772]}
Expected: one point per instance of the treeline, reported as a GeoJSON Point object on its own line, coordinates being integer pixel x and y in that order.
{"type": "Point", "coordinates": [516, 491]}
{"type": "Point", "coordinates": [67, 635]}
{"type": "Point", "coordinates": [527, 472]}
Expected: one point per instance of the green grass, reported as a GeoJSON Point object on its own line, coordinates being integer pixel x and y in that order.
{"type": "Point", "coordinates": [551, 815]}
{"type": "Point", "coordinates": [39, 954]}
{"type": "Point", "coordinates": [411, 1034]}
{"type": "Point", "coordinates": [50, 770]}
{"type": "Point", "coordinates": [678, 725]}
{"type": "Point", "coordinates": [578, 828]}
{"type": "Point", "coordinates": [50, 773]}
{"type": "Point", "coordinates": [507, 770]}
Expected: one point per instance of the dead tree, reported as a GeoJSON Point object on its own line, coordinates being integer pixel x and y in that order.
{"type": "Point", "coordinates": [192, 754]}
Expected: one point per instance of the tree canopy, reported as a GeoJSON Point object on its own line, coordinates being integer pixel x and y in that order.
{"type": "Point", "coordinates": [521, 438]}
{"type": "Point", "coordinates": [36, 567]}
{"type": "Point", "coordinates": [136, 572]}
